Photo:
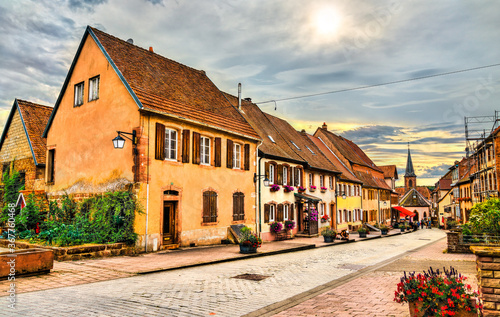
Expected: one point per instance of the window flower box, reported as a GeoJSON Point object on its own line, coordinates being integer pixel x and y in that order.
{"type": "Point", "coordinates": [323, 189]}
{"type": "Point", "coordinates": [312, 188]}
{"type": "Point", "coordinates": [301, 189]}
{"type": "Point", "coordinates": [288, 189]}
{"type": "Point", "coordinates": [275, 188]}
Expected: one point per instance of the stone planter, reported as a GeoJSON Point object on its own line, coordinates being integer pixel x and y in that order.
{"type": "Point", "coordinates": [247, 249]}
{"type": "Point", "coordinates": [417, 305]}
{"type": "Point", "coordinates": [362, 234]}
{"type": "Point", "coordinates": [384, 232]}
{"type": "Point", "coordinates": [402, 229]}
{"type": "Point", "coordinates": [26, 261]}
{"type": "Point", "coordinates": [329, 239]}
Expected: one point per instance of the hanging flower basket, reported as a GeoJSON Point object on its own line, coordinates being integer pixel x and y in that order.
{"type": "Point", "coordinates": [301, 189]}
{"type": "Point", "coordinates": [288, 189]}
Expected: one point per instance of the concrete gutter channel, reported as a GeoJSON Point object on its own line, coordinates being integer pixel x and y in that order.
{"type": "Point", "coordinates": [302, 247]}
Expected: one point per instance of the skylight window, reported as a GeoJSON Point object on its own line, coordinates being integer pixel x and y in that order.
{"type": "Point", "coordinates": [295, 145]}
{"type": "Point", "coordinates": [271, 138]}
{"type": "Point", "coordinates": [310, 149]}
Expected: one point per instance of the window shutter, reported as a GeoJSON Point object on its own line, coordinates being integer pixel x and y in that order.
{"type": "Point", "coordinates": [247, 157]}
{"type": "Point", "coordinates": [196, 148]}
{"type": "Point", "coordinates": [280, 175]}
{"type": "Point", "coordinates": [266, 169]}
{"type": "Point", "coordinates": [296, 176]}
{"type": "Point", "coordinates": [160, 142]}
{"type": "Point", "coordinates": [218, 161]}
{"type": "Point", "coordinates": [290, 177]}
{"type": "Point", "coordinates": [185, 146]}
{"type": "Point", "coordinates": [292, 211]}
{"type": "Point", "coordinates": [279, 216]}
{"type": "Point", "coordinates": [267, 210]}
{"type": "Point", "coordinates": [229, 153]}
{"type": "Point", "coordinates": [206, 206]}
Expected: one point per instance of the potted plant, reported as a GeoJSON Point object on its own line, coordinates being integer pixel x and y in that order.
{"type": "Point", "coordinates": [288, 188]}
{"type": "Point", "coordinates": [302, 189]}
{"type": "Point", "coordinates": [274, 188]}
{"type": "Point", "coordinates": [323, 189]}
{"type": "Point", "coordinates": [325, 218]}
{"type": "Point", "coordinates": [362, 232]}
{"type": "Point", "coordinates": [276, 227]}
{"type": "Point", "coordinates": [313, 214]}
{"type": "Point", "coordinates": [329, 234]}
{"type": "Point", "coordinates": [435, 293]}
{"type": "Point", "coordinates": [402, 227]}
{"type": "Point", "coordinates": [249, 242]}
{"type": "Point", "coordinates": [384, 229]}
{"type": "Point", "coordinates": [289, 224]}
{"type": "Point", "coordinates": [312, 188]}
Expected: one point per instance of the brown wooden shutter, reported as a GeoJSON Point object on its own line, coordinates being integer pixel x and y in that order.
{"type": "Point", "coordinates": [267, 210]}
{"type": "Point", "coordinates": [160, 142]}
{"type": "Point", "coordinates": [218, 144]}
{"type": "Point", "coordinates": [279, 216]}
{"type": "Point", "coordinates": [297, 175]}
{"type": "Point", "coordinates": [292, 211]}
{"type": "Point", "coordinates": [280, 175]}
{"type": "Point", "coordinates": [196, 148]}
{"type": "Point", "coordinates": [266, 170]}
{"type": "Point", "coordinates": [50, 166]}
{"type": "Point", "coordinates": [185, 145]}
{"type": "Point", "coordinates": [247, 157]}
{"type": "Point", "coordinates": [230, 149]}
{"type": "Point", "coordinates": [206, 206]}
{"type": "Point", "coordinates": [290, 176]}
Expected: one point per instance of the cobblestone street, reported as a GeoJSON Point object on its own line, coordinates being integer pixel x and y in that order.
{"type": "Point", "coordinates": [212, 290]}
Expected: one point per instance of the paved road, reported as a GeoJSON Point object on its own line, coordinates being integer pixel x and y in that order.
{"type": "Point", "coordinates": [212, 290]}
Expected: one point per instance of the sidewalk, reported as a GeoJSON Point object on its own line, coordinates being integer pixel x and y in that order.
{"type": "Point", "coordinates": [372, 294]}
{"type": "Point", "coordinates": [101, 269]}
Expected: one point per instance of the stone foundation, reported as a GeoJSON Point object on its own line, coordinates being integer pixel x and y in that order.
{"type": "Point", "coordinates": [488, 276]}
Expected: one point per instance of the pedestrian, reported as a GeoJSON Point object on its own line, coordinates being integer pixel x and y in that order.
{"type": "Point", "coordinates": [429, 225]}
{"type": "Point", "coordinates": [422, 224]}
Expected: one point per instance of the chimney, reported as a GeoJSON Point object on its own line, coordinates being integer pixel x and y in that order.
{"type": "Point", "coordinates": [324, 126]}
{"type": "Point", "coordinates": [239, 96]}
{"type": "Point", "coordinates": [303, 132]}
{"type": "Point", "coordinates": [248, 99]}
{"type": "Point", "coordinates": [151, 49]}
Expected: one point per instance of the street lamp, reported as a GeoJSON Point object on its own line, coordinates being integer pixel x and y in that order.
{"type": "Point", "coordinates": [119, 142]}
{"type": "Point", "coordinates": [256, 177]}
{"type": "Point", "coordinates": [343, 195]}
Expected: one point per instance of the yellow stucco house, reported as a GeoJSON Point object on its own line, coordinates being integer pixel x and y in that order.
{"type": "Point", "coordinates": [190, 154]}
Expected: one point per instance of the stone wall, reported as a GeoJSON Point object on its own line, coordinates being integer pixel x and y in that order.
{"type": "Point", "coordinates": [488, 276]}
{"type": "Point", "coordinates": [454, 245]}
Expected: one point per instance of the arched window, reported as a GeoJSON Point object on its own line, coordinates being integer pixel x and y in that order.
{"type": "Point", "coordinates": [410, 183]}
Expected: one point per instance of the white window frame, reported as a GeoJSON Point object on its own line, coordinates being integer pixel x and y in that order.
{"type": "Point", "coordinates": [286, 209]}
{"type": "Point", "coordinates": [237, 155]}
{"type": "Point", "coordinates": [168, 144]}
{"type": "Point", "coordinates": [321, 180]}
{"type": "Point", "coordinates": [331, 182]}
{"type": "Point", "coordinates": [300, 176]}
{"type": "Point", "coordinates": [94, 88]}
{"type": "Point", "coordinates": [205, 153]}
{"type": "Point", "coordinates": [79, 89]}
{"type": "Point", "coordinates": [322, 209]}
{"type": "Point", "coordinates": [272, 213]}
{"type": "Point", "coordinates": [271, 173]}
{"type": "Point", "coordinates": [311, 179]}
{"type": "Point", "coordinates": [285, 175]}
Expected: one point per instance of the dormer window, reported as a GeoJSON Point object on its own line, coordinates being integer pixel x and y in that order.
{"type": "Point", "coordinates": [271, 138]}
{"type": "Point", "coordinates": [79, 94]}
{"type": "Point", "coordinates": [94, 88]}
{"type": "Point", "coordinates": [295, 145]}
{"type": "Point", "coordinates": [310, 150]}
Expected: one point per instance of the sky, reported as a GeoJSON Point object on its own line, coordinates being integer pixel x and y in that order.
{"type": "Point", "coordinates": [289, 48]}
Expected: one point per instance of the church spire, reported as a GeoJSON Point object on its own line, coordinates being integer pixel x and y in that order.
{"type": "Point", "coordinates": [410, 172]}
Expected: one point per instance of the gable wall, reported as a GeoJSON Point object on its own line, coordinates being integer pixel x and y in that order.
{"type": "Point", "coordinates": [16, 145]}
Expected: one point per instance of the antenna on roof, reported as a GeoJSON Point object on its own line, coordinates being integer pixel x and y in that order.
{"type": "Point", "coordinates": [131, 41]}
{"type": "Point", "coordinates": [239, 96]}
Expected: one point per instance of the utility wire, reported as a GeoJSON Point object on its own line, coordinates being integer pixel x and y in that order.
{"type": "Point", "coordinates": [377, 85]}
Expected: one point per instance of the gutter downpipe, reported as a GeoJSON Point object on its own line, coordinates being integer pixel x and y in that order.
{"type": "Point", "coordinates": [147, 192]}
{"type": "Point", "coordinates": [258, 199]}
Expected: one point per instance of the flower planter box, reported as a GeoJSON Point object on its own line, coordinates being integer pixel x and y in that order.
{"type": "Point", "coordinates": [362, 234]}
{"type": "Point", "coordinates": [247, 249]}
{"type": "Point", "coordinates": [329, 239]}
{"type": "Point", "coordinates": [26, 261]}
{"type": "Point", "coordinates": [418, 305]}
{"type": "Point", "coordinates": [384, 232]}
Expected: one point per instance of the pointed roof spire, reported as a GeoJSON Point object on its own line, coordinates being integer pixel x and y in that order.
{"type": "Point", "coordinates": [410, 172]}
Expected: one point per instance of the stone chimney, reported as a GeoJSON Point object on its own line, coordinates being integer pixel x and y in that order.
{"type": "Point", "coordinates": [324, 126]}
{"type": "Point", "coordinates": [151, 49]}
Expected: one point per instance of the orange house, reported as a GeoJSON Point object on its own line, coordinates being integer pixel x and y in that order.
{"type": "Point", "coordinates": [190, 154]}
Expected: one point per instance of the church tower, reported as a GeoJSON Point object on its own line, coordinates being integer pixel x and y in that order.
{"type": "Point", "coordinates": [410, 177]}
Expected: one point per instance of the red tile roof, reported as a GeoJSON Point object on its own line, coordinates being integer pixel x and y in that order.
{"type": "Point", "coordinates": [390, 171]}
{"type": "Point", "coordinates": [168, 87]}
{"type": "Point", "coordinates": [362, 155]}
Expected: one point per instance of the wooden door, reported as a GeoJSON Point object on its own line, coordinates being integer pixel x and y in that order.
{"type": "Point", "coordinates": [168, 223]}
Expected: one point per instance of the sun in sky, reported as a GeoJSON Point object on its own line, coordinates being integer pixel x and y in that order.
{"type": "Point", "coordinates": [327, 21]}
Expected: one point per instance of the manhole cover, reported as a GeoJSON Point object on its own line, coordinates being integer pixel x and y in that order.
{"type": "Point", "coordinates": [252, 277]}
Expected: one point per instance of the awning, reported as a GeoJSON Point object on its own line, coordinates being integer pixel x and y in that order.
{"type": "Point", "coordinates": [307, 197]}
{"type": "Point", "coordinates": [404, 212]}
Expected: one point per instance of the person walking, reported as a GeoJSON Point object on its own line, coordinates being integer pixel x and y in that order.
{"type": "Point", "coordinates": [422, 224]}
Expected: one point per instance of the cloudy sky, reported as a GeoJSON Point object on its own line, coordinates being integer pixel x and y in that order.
{"type": "Point", "coordinates": [289, 48]}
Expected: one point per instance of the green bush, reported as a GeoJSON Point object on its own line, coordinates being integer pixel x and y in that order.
{"type": "Point", "coordinates": [12, 185]}
{"type": "Point", "coordinates": [484, 219]}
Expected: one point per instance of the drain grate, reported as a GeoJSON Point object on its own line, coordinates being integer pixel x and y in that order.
{"type": "Point", "coordinates": [252, 277]}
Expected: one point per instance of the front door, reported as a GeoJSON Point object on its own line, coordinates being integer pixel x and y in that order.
{"type": "Point", "coordinates": [168, 223]}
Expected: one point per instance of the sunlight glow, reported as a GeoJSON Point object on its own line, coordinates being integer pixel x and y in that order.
{"type": "Point", "coordinates": [327, 21]}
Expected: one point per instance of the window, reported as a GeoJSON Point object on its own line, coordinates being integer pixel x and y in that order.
{"type": "Point", "coordinates": [237, 156]}
{"type": "Point", "coordinates": [311, 179]}
{"type": "Point", "coordinates": [205, 150]}
{"type": "Point", "coordinates": [286, 209]}
{"type": "Point", "coordinates": [271, 138]}
{"type": "Point", "coordinates": [272, 213]}
{"type": "Point", "coordinates": [271, 174]}
{"type": "Point", "coordinates": [322, 209]}
{"type": "Point", "coordinates": [94, 88]}
{"type": "Point", "coordinates": [170, 144]}
{"type": "Point", "coordinates": [310, 149]}
{"type": "Point", "coordinates": [50, 166]}
{"type": "Point", "coordinates": [331, 182]}
{"type": "Point", "coordinates": [321, 181]}
{"type": "Point", "coordinates": [209, 206]}
{"type": "Point", "coordinates": [285, 175]}
{"type": "Point", "coordinates": [79, 94]}
{"type": "Point", "coordinates": [295, 145]}
{"type": "Point", "coordinates": [298, 176]}
{"type": "Point", "coordinates": [238, 206]}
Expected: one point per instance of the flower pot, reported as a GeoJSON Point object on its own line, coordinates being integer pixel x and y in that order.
{"type": "Point", "coordinates": [247, 248]}
{"type": "Point", "coordinates": [402, 229]}
{"type": "Point", "coordinates": [329, 238]}
{"type": "Point", "coordinates": [362, 234]}
{"type": "Point", "coordinates": [418, 305]}
{"type": "Point", "coordinates": [384, 232]}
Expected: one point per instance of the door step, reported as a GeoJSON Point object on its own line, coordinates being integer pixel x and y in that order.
{"type": "Point", "coordinates": [171, 246]}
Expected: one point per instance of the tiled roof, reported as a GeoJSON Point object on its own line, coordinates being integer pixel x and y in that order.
{"type": "Point", "coordinates": [444, 184]}
{"type": "Point", "coordinates": [263, 126]}
{"type": "Point", "coordinates": [346, 174]}
{"type": "Point", "coordinates": [390, 171]}
{"type": "Point", "coordinates": [370, 181]}
{"type": "Point", "coordinates": [34, 117]}
{"type": "Point", "coordinates": [424, 191]}
{"type": "Point", "coordinates": [400, 191]}
{"type": "Point", "coordinates": [362, 155]}
{"type": "Point", "coordinates": [316, 160]}
{"type": "Point", "coordinates": [414, 198]}
{"type": "Point", "coordinates": [166, 86]}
